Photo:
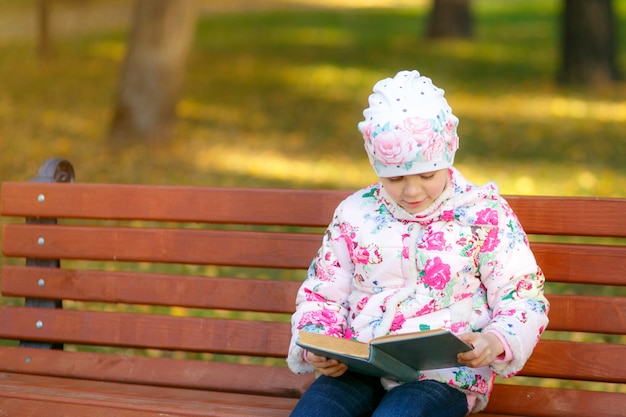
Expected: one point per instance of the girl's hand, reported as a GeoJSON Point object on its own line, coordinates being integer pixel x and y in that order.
{"type": "Point", "coordinates": [487, 348]}
{"type": "Point", "coordinates": [328, 367]}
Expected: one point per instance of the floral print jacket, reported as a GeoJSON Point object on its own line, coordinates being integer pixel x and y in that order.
{"type": "Point", "coordinates": [464, 264]}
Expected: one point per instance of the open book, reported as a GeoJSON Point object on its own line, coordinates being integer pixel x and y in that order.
{"type": "Point", "coordinates": [398, 356]}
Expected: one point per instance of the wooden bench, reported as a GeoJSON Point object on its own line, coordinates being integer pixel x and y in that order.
{"type": "Point", "coordinates": [175, 301]}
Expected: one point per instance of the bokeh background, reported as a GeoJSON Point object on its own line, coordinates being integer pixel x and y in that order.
{"type": "Point", "coordinates": [273, 90]}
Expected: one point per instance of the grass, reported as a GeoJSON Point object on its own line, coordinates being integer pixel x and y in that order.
{"type": "Point", "coordinates": [272, 98]}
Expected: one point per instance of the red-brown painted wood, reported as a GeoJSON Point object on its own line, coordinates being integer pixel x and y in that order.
{"type": "Point", "coordinates": [156, 371]}
{"type": "Point", "coordinates": [240, 337]}
{"type": "Point", "coordinates": [204, 247]}
{"type": "Point", "coordinates": [554, 402]}
{"type": "Point", "coordinates": [191, 291]}
{"type": "Point", "coordinates": [577, 360]}
{"type": "Point", "coordinates": [23, 395]}
{"type": "Point", "coordinates": [545, 215]}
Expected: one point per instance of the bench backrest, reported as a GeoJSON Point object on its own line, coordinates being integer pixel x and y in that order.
{"type": "Point", "coordinates": [193, 287]}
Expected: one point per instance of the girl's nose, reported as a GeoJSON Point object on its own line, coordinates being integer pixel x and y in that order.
{"type": "Point", "coordinates": [412, 186]}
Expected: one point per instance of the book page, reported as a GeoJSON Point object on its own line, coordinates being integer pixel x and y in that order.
{"type": "Point", "coordinates": [405, 336]}
{"type": "Point", "coordinates": [335, 344]}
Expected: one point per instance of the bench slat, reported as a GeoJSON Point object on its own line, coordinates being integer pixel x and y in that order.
{"type": "Point", "coordinates": [27, 395]}
{"type": "Point", "coordinates": [150, 289]}
{"type": "Point", "coordinates": [580, 313]}
{"type": "Point", "coordinates": [572, 216]}
{"type": "Point", "coordinates": [555, 402]}
{"type": "Point", "coordinates": [561, 263]}
{"type": "Point", "coordinates": [244, 337]}
{"type": "Point", "coordinates": [170, 203]}
{"type": "Point", "coordinates": [26, 406]}
{"type": "Point", "coordinates": [581, 263]}
{"type": "Point", "coordinates": [577, 360]}
{"type": "Point", "coordinates": [196, 374]}
{"type": "Point", "coordinates": [201, 247]}
{"type": "Point", "coordinates": [582, 216]}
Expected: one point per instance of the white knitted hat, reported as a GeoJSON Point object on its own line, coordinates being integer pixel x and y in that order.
{"type": "Point", "coordinates": [409, 127]}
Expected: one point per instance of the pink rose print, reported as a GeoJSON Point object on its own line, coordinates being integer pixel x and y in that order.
{"type": "Point", "coordinates": [448, 126]}
{"type": "Point", "coordinates": [453, 144]}
{"type": "Point", "coordinates": [362, 303]}
{"type": "Point", "coordinates": [313, 296]}
{"type": "Point", "coordinates": [367, 132]}
{"type": "Point", "coordinates": [405, 245]}
{"type": "Point", "coordinates": [447, 215]}
{"type": "Point", "coordinates": [398, 322]}
{"type": "Point", "coordinates": [523, 286]}
{"type": "Point", "coordinates": [322, 319]}
{"type": "Point", "coordinates": [458, 327]}
{"type": "Point", "coordinates": [437, 274]}
{"type": "Point", "coordinates": [368, 255]}
{"type": "Point", "coordinates": [481, 384]}
{"type": "Point", "coordinates": [491, 241]}
{"type": "Point", "coordinates": [435, 148]}
{"type": "Point", "coordinates": [347, 231]}
{"type": "Point", "coordinates": [421, 129]}
{"type": "Point", "coordinates": [435, 241]}
{"type": "Point", "coordinates": [505, 313]}
{"type": "Point", "coordinates": [427, 309]}
{"type": "Point", "coordinates": [395, 147]}
{"type": "Point", "coordinates": [349, 334]}
{"type": "Point", "coordinates": [487, 216]}
{"type": "Point", "coordinates": [324, 274]}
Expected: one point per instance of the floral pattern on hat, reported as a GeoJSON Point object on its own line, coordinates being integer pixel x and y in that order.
{"type": "Point", "coordinates": [413, 144]}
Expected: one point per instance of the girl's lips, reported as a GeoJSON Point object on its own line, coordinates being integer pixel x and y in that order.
{"type": "Point", "coordinates": [413, 206]}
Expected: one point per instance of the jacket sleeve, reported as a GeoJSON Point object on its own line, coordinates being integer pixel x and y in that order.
{"type": "Point", "coordinates": [322, 300]}
{"type": "Point", "coordinates": [514, 284]}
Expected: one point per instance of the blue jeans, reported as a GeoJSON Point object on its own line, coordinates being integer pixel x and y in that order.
{"type": "Point", "coordinates": [357, 395]}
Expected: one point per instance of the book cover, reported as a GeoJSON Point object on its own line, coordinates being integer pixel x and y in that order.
{"type": "Point", "coordinates": [398, 356]}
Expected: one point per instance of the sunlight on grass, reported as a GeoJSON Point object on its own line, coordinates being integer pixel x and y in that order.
{"type": "Point", "coordinates": [307, 36]}
{"type": "Point", "coordinates": [114, 51]}
{"type": "Point", "coordinates": [539, 107]}
{"type": "Point", "coordinates": [274, 166]}
{"type": "Point", "coordinates": [519, 179]}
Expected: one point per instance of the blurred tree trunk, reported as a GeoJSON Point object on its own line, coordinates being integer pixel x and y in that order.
{"type": "Point", "coordinates": [450, 19]}
{"type": "Point", "coordinates": [44, 46]}
{"type": "Point", "coordinates": [153, 70]}
{"type": "Point", "coordinates": [588, 43]}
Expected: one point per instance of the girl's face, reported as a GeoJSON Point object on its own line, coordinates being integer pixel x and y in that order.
{"type": "Point", "coordinates": [415, 193]}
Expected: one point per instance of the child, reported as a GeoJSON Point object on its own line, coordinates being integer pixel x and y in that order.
{"type": "Point", "coordinates": [421, 249]}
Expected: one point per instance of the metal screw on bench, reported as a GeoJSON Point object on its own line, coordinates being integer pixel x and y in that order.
{"type": "Point", "coordinates": [53, 170]}
{"type": "Point", "coordinates": [41, 282]}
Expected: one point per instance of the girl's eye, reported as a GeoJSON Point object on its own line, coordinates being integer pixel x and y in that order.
{"type": "Point", "coordinates": [428, 176]}
{"type": "Point", "coordinates": [394, 179]}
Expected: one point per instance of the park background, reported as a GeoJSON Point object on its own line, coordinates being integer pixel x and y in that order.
{"type": "Point", "coordinates": [274, 89]}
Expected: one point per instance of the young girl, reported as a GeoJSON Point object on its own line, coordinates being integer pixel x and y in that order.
{"type": "Point", "coordinates": [421, 249]}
